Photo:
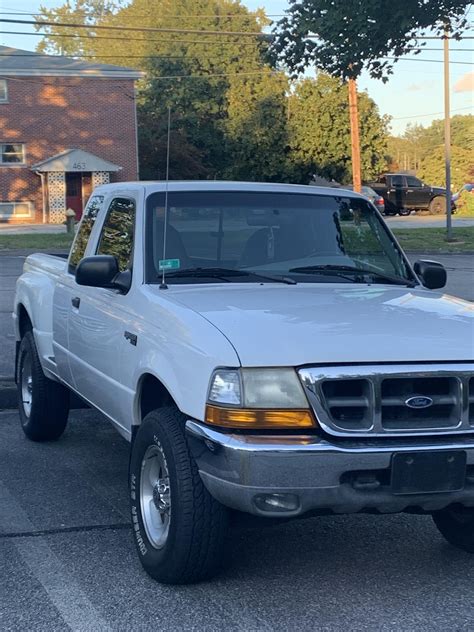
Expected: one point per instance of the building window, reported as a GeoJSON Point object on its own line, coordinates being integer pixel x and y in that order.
{"type": "Point", "coordinates": [12, 153]}
{"type": "Point", "coordinates": [15, 210]}
{"type": "Point", "coordinates": [3, 91]}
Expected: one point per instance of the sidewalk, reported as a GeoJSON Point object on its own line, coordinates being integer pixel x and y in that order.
{"type": "Point", "coordinates": [29, 229]}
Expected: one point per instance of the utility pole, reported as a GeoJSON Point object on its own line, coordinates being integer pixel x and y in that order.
{"type": "Point", "coordinates": [447, 136]}
{"type": "Point", "coordinates": [355, 141]}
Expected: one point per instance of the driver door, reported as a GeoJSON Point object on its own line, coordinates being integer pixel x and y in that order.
{"type": "Point", "coordinates": [414, 193]}
{"type": "Point", "coordinates": [397, 191]}
{"type": "Point", "coordinates": [99, 317]}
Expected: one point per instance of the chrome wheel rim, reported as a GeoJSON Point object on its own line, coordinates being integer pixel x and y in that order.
{"type": "Point", "coordinates": [155, 496]}
{"type": "Point", "coordinates": [26, 382]}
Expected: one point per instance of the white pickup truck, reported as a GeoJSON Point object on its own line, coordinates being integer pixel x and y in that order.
{"type": "Point", "coordinates": [265, 348]}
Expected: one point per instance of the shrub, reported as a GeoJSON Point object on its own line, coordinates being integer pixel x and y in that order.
{"type": "Point", "coordinates": [465, 205]}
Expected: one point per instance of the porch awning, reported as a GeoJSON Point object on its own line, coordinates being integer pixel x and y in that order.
{"type": "Point", "coordinates": [75, 160]}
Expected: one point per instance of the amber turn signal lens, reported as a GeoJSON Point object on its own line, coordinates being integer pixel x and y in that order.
{"type": "Point", "coordinates": [259, 419]}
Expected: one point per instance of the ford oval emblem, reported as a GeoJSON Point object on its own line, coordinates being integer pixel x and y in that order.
{"type": "Point", "coordinates": [419, 401]}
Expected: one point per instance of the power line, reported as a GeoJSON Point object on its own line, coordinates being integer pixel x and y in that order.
{"type": "Point", "coordinates": [399, 118]}
{"type": "Point", "coordinates": [451, 50]}
{"type": "Point", "coordinates": [159, 78]}
{"type": "Point", "coordinates": [441, 37]}
{"type": "Point", "coordinates": [128, 39]}
{"type": "Point", "coordinates": [169, 30]}
{"type": "Point", "coordinates": [91, 56]}
{"type": "Point", "coordinates": [139, 29]}
{"type": "Point", "coordinates": [225, 16]}
{"type": "Point", "coordinates": [434, 61]}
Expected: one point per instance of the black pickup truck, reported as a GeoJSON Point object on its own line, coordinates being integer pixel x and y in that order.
{"type": "Point", "coordinates": [404, 193]}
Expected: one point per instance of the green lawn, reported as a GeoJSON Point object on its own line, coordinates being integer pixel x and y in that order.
{"type": "Point", "coordinates": [35, 241]}
{"type": "Point", "coordinates": [434, 239]}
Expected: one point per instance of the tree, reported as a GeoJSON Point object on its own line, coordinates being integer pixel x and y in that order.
{"type": "Point", "coordinates": [319, 130]}
{"type": "Point", "coordinates": [462, 132]}
{"type": "Point", "coordinates": [78, 12]}
{"type": "Point", "coordinates": [353, 35]}
{"type": "Point", "coordinates": [256, 129]}
{"type": "Point", "coordinates": [432, 168]}
{"type": "Point", "coordinates": [342, 37]}
{"type": "Point", "coordinates": [192, 74]}
{"type": "Point", "coordinates": [418, 142]}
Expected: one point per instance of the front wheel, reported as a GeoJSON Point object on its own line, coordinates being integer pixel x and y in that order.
{"type": "Point", "coordinates": [42, 403]}
{"type": "Point", "coordinates": [438, 205]}
{"type": "Point", "coordinates": [179, 528]}
{"type": "Point", "coordinates": [456, 524]}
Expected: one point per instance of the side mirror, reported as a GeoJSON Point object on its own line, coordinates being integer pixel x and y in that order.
{"type": "Point", "coordinates": [102, 271]}
{"type": "Point", "coordinates": [432, 274]}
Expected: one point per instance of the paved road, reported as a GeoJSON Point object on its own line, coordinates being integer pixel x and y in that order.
{"type": "Point", "coordinates": [460, 283]}
{"type": "Point", "coordinates": [68, 560]}
{"type": "Point", "coordinates": [427, 221]}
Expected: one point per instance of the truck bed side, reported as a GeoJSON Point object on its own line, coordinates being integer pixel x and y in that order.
{"type": "Point", "coordinates": [34, 299]}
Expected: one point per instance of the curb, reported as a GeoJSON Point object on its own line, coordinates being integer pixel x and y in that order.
{"type": "Point", "coordinates": [445, 253]}
{"type": "Point", "coordinates": [8, 396]}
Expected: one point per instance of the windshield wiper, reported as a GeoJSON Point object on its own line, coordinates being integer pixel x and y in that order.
{"type": "Point", "coordinates": [341, 270]}
{"type": "Point", "coordinates": [225, 274]}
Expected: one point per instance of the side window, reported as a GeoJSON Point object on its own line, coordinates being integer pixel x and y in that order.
{"type": "Point", "coordinates": [397, 181]}
{"type": "Point", "coordinates": [82, 237]}
{"type": "Point", "coordinates": [117, 233]}
{"type": "Point", "coordinates": [382, 180]}
{"type": "Point", "coordinates": [414, 182]}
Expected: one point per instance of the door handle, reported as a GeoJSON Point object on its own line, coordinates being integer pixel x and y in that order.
{"type": "Point", "coordinates": [76, 301]}
{"type": "Point", "coordinates": [409, 190]}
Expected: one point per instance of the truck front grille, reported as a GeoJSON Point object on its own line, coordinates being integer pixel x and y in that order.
{"type": "Point", "coordinates": [392, 400]}
{"type": "Point", "coordinates": [471, 401]}
{"type": "Point", "coordinates": [445, 411]}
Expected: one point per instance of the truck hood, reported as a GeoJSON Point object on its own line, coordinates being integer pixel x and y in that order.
{"type": "Point", "coordinates": [272, 325]}
{"type": "Point", "coordinates": [438, 190]}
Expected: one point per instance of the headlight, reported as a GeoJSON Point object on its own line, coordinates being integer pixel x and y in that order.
{"type": "Point", "coordinates": [258, 398]}
{"type": "Point", "coordinates": [225, 388]}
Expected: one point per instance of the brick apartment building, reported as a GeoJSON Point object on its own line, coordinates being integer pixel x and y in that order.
{"type": "Point", "coordinates": [65, 127]}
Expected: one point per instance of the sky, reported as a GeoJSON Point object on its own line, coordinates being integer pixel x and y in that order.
{"type": "Point", "coordinates": [413, 94]}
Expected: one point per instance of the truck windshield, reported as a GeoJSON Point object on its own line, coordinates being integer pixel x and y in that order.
{"type": "Point", "coordinates": [235, 236]}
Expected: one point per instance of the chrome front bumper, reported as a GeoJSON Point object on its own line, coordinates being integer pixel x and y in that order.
{"type": "Point", "coordinates": [343, 477]}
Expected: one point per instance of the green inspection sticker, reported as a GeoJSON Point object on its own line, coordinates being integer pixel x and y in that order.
{"type": "Point", "coordinates": [169, 264]}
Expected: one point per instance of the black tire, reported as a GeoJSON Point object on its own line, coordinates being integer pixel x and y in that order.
{"type": "Point", "coordinates": [390, 209]}
{"type": "Point", "coordinates": [404, 212]}
{"type": "Point", "coordinates": [456, 524]}
{"type": "Point", "coordinates": [192, 548]}
{"type": "Point", "coordinates": [438, 205]}
{"type": "Point", "coordinates": [45, 417]}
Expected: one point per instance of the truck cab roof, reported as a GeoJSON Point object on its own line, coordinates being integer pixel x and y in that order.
{"type": "Point", "coordinates": [155, 186]}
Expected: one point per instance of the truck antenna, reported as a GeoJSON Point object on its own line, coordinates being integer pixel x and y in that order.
{"type": "Point", "coordinates": [163, 285]}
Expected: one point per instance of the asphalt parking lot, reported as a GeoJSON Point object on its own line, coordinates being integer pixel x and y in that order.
{"type": "Point", "coordinates": [68, 561]}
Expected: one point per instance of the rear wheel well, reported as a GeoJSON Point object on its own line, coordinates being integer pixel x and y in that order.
{"type": "Point", "coordinates": [24, 321]}
{"type": "Point", "coordinates": [153, 394]}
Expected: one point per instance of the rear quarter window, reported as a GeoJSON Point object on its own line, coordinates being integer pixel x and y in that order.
{"type": "Point", "coordinates": [78, 248]}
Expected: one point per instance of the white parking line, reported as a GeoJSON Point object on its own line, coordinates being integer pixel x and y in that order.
{"type": "Point", "coordinates": [71, 603]}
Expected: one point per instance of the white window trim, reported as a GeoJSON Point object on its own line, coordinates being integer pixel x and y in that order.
{"type": "Point", "coordinates": [12, 164]}
{"type": "Point", "coordinates": [12, 215]}
{"type": "Point", "coordinates": [5, 100]}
